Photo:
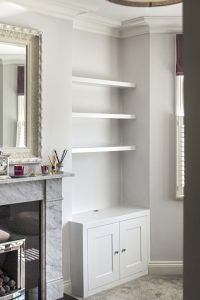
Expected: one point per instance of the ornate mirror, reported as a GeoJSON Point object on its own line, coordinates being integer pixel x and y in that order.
{"type": "Point", "coordinates": [20, 94]}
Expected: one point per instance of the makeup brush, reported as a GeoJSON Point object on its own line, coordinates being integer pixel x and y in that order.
{"type": "Point", "coordinates": [50, 160]}
{"type": "Point", "coordinates": [57, 156]}
{"type": "Point", "coordinates": [63, 155]}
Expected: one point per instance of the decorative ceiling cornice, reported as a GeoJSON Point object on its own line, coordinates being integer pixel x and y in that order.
{"type": "Point", "coordinates": [143, 25]}
{"type": "Point", "coordinates": [133, 27]}
{"type": "Point", "coordinates": [97, 24]}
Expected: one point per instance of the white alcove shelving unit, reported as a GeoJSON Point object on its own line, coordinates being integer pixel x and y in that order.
{"type": "Point", "coordinates": [96, 115]}
{"type": "Point", "coordinates": [102, 223]}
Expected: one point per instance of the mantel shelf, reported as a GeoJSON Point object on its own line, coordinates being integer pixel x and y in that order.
{"type": "Point", "coordinates": [102, 149]}
{"type": "Point", "coordinates": [103, 116]}
{"type": "Point", "coordinates": [101, 82]}
{"type": "Point", "coordinates": [38, 177]}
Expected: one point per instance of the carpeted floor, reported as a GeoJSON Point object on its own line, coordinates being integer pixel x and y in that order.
{"type": "Point", "coordinates": [67, 297]}
{"type": "Point", "coordinates": [145, 288]}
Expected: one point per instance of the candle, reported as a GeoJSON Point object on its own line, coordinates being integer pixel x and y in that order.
{"type": "Point", "coordinates": [19, 170]}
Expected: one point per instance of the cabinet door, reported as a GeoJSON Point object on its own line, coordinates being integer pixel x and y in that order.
{"type": "Point", "coordinates": [103, 255]}
{"type": "Point", "coordinates": [133, 246]}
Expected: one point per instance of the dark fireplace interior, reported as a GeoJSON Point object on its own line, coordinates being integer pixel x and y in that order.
{"type": "Point", "coordinates": [21, 221]}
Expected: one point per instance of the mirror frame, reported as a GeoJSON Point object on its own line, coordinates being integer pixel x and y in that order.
{"type": "Point", "coordinates": [32, 39]}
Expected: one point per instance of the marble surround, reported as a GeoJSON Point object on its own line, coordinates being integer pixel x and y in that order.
{"type": "Point", "coordinates": [47, 189]}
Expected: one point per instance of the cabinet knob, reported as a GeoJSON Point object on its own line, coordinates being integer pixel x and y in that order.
{"type": "Point", "coordinates": [123, 250]}
{"type": "Point", "coordinates": [116, 252]}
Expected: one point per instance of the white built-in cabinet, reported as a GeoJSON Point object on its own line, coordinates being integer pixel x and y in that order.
{"type": "Point", "coordinates": [108, 247]}
{"type": "Point", "coordinates": [103, 254]}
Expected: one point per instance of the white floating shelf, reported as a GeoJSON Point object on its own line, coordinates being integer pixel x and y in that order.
{"type": "Point", "coordinates": [103, 149]}
{"type": "Point", "coordinates": [103, 116]}
{"type": "Point", "coordinates": [101, 82]}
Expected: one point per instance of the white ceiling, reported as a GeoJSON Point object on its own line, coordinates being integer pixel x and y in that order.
{"type": "Point", "coordinates": [121, 13]}
{"type": "Point", "coordinates": [8, 8]}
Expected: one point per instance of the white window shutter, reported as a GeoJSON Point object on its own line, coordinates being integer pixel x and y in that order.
{"type": "Point", "coordinates": [180, 157]}
{"type": "Point", "coordinates": [180, 139]}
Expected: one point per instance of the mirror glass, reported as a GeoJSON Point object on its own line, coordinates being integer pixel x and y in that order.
{"type": "Point", "coordinates": [13, 99]}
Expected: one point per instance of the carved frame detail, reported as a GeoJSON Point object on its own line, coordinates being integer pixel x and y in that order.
{"type": "Point", "coordinates": [32, 39]}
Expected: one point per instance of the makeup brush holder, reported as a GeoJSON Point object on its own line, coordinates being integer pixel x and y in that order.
{"type": "Point", "coordinates": [60, 168]}
{"type": "Point", "coordinates": [53, 169]}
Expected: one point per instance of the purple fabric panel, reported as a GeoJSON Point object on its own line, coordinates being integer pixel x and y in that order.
{"type": "Point", "coordinates": [179, 54]}
{"type": "Point", "coordinates": [20, 80]}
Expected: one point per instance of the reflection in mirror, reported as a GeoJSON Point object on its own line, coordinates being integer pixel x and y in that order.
{"type": "Point", "coordinates": [13, 104]}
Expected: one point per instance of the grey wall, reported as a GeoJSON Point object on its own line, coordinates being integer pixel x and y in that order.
{"type": "Point", "coordinates": [134, 67]}
{"type": "Point", "coordinates": [1, 104]}
{"type": "Point", "coordinates": [95, 55]}
{"type": "Point", "coordinates": [166, 211]}
{"type": "Point", "coordinates": [192, 146]}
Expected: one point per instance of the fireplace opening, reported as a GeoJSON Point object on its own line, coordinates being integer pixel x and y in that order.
{"type": "Point", "coordinates": [20, 251]}
{"type": "Point", "coordinates": [12, 269]}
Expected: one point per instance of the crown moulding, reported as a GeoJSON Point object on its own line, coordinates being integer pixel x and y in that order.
{"type": "Point", "coordinates": [97, 24]}
{"type": "Point", "coordinates": [144, 25]}
{"type": "Point", "coordinates": [133, 27]}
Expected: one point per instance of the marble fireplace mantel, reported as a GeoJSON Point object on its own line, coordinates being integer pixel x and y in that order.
{"type": "Point", "coordinates": [47, 189]}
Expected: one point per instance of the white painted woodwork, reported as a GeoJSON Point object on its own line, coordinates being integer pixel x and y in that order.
{"type": "Point", "coordinates": [98, 111]}
{"type": "Point", "coordinates": [133, 246]}
{"type": "Point", "coordinates": [97, 240]}
{"type": "Point", "coordinates": [166, 268]}
{"type": "Point", "coordinates": [96, 252]}
{"type": "Point", "coordinates": [108, 215]}
{"type": "Point", "coordinates": [102, 82]}
{"type": "Point", "coordinates": [103, 116]}
{"type": "Point", "coordinates": [103, 253]}
{"type": "Point", "coordinates": [102, 149]}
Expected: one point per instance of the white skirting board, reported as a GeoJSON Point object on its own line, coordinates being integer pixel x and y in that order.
{"type": "Point", "coordinates": [68, 287]}
{"type": "Point", "coordinates": [166, 267]}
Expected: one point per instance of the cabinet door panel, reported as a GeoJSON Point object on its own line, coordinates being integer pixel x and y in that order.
{"type": "Point", "coordinates": [133, 246]}
{"type": "Point", "coordinates": [103, 259]}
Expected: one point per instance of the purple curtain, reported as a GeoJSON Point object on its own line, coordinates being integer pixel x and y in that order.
{"type": "Point", "coordinates": [179, 54]}
{"type": "Point", "coordinates": [20, 80]}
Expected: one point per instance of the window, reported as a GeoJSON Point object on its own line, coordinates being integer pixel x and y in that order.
{"type": "Point", "coordinates": [21, 111]}
{"type": "Point", "coordinates": [180, 158]}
